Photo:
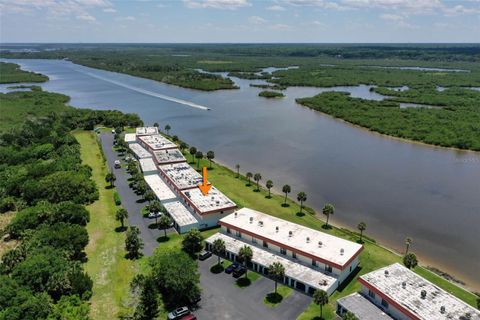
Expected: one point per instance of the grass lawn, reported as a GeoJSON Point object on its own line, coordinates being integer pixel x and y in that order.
{"type": "Point", "coordinates": [372, 257]}
{"type": "Point", "coordinates": [246, 282]}
{"type": "Point", "coordinates": [273, 299]}
{"type": "Point", "coordinates": [110, 271]}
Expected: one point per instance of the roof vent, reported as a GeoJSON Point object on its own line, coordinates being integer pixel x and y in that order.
{"type": "Point", "coordinates": [442, 309]}
{"type": "Point", "coordinates": [290, 233]}
{"type": "Point", "coordinates": [236, 213]}
{"type": "Point", "coordinates": [404, 284]}
{"type": "Point", "coordinates": [423, 294]}
{"type": "Point", "coordinates": [276, 228]}
{"type": "Point", "coordinates": [386, 273]}
{"type": "Point", "coordinates": [260, 223]}
{"type": "Point", "coordinates": [251, 219]}
{"type": "Point", "coordinates": [468, 315]}
{"type": "Point", "coordinates": [308, 239]}
{"type": "Point", "coordinates": [342, 251]}
{"type": "Point", "coordinates": [320, 244]}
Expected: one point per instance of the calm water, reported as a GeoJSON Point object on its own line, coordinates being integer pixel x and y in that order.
{"type": "Point", "coordinates": [399, 189]}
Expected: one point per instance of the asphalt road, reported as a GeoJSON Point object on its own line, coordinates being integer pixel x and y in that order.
{"type": "Point", "coordinates": [223, 300]}
{"type": "Point", "coordinates": [130, 201]}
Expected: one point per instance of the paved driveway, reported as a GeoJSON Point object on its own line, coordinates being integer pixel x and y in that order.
{"type": "Point", "coordinates": [129, 199]}
{"type": "Point", "coordinates": [222, 299]}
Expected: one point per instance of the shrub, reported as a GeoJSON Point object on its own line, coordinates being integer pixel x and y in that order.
{"type": "Point", "coordinates": [117, 199]}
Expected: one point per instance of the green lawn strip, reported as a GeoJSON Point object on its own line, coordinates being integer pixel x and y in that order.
{"type": "Point", "coordinates": [110, 271]}
{"type": "Point", "coordinates": [273, 299]}
{"type": "Point", "coordinates": [243, 282]}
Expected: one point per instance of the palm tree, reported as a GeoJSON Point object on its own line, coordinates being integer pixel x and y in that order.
{"type": "Point", "coordinates": [156, 124]}
{"type": "Point", "coordinates": [249, 176]}
{"type": "Point", "coordinates": [362, 226]}
{"type": "Point", "coordinates": [286, 189]}
{"type": "Point", "coordinates": [110, 178]}
{"type": "Point", "coordinates": [320, 297]}
{"type": "Point", "coordinates": [257, 177]}
{"type": "Point", "coordinates": [183, 146]}
{"type": "Point", "coordinates": [302, 197]}
{"type": "Point", "coordinates": [156, 206]}
{"type": "Point", "coordinates": [149, 196]}
{"type": "Point", "coordinates": [237, 166]}
{"type": "Point", "coordinates": [164, 223]}
{"type": "Point", "coordinates": [408, 242]}
{"type": "Point", "coordinates": [121, 215]}
{"type": "Point", "coordinates": [218, 248]}
{"type": "Point", "coordinates": [167, 128]}
{"type": "Point", "coordinates": [175, 138]}
{"type": "Point", "coordinates": [193, 151]}
{"type": "Point", "coordinates": [269, 186]}
{"type": "Point", "coordinates": [198, 155]}
{"type": "Point", "coordinates": [410, 260]}
{"type": "Point", "coordinates": [277, 271]}
{"type": "Point", "coordinates": [328, 210]}
{"type": "Point", "coordinates": [245, 254]}
{"type": "Point", "coordinates": [210, 157]}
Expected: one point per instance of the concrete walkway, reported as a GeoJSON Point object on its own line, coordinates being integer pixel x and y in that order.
{"type": "Point", "coordinates": [130, 201]}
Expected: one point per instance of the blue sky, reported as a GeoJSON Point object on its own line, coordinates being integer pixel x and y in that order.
{"type": "Point", "coordinates": [240, 21]}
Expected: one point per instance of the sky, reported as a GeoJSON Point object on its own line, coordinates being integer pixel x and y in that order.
{"type": "Point", "coordinates": [234, 21]}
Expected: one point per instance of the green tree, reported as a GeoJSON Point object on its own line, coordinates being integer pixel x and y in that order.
{"type": "Point", "coordinates": [70, 308]}
{"type": "Point", "coordinates": [198, 155]}
{"type": "Point", "coordinates": [349, 316]}
{"type": "Point", "coordinates": [277, 271]}
{"type": "Point", "coordinates": [237, 166]}
{"type": "Point", "coordinates": [156, 207]}
{"type": "Point", "coordinates": [245, 254]}
{"type": "Point", "coordinates": [147, 307]}
{"type": "Point", "coordinates": [478, 303]}
{"type": "Point", "coordinates": [110, 178]}
{"type": "Point", "coordinates": [328, 210]}
{"type": "Point", "coordinates": [141, 187]}
{"type": "Point", "coordinates": [175, 138]}
{"type": "Point", "coordinates": [167, 129]}
{"type": "Point", "coordinates": [210, 157]}
{"type": "Point", "coordinates": [302, 197]}
{"type": "Point", "coordinates": [149, 196]}
{"type": "Point", "coordinates": [408, 243]}
{"type": "Point", "coordinates": [218, 248]}
{"type": "Point", "coordinates": [257, 177]}
{"type": "Point", "coordinates": [286, 189]}
{"type": "Point", "coordinates": [164, 223]}
{"type": "Point", "coordinates": [362, 226]}
{"type": "Point", "coordinates": [249, 176]}
{"type": "Point", "coordinates": [183, 146]}
{"type": "Point", "coordinates": [133, 243]}
{"type": "Point", "coordinates": [192, 242]}
{"type": "Point", "coordinates": [269, 186]}
{"type": "Point", "coordinates": [193, 151]}
{"type": "Point", "coordinates": [156, 125]}
{"type": "Point", "coordinates": [320, 297]}
{"type": "Point", "coordinates": [121, 215]}
{"type": "Point", "coordinates": [410, 260]}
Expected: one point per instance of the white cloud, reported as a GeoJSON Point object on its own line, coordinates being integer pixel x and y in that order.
{"type": "Point", "coordinates": [127, 18]}
{"type": "Point", "coordinates": [216, 4]}
{"type": "Point", "coordinates": [109, 10]}
{"type": "Point", "coordinates": [256, 20]}
{"type": "Point", "coordinates": [280, 26]}
{"type": "Point", "coordinates": [319, 24]}
{"type": "Point", "coordinates": [391, 17]}
{"type": "Point", "coordinates": [276, 8]}
{"type": "Point", "coordinates": [86, 17]}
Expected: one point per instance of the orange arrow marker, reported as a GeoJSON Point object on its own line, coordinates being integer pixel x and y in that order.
{"type": "Point", "coordinates": [204, 187]}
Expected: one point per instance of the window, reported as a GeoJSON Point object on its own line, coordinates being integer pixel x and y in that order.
{"type": "Point", "coordinates": [314, 263]}
{"type": "Point", "coordinates": [328, 268]}
{"type": "Point", "coordinates": [283, 251]}
{"type": "Point", "coordinates": [384, 304]}
{"type": "Point", "coordinates": [228, 230]}
{"type": "Point", "coordinates": [371, 294]}
{"type": "Point", "coordinates": [254, 240]}
{"type": "Point", "coordinates": [294, 255]}
{"type": "Point", "coordinates": [238, 234]}
{"type": "Point", "coordinates": [265, 244]}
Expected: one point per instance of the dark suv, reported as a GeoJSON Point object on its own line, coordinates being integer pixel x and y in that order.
{"type": "Point", "coordinates": [239, 271]}
{"type": "Point", "coordinates": [204, 255]}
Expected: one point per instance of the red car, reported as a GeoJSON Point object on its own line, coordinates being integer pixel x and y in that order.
{"type": "Point", "coordinates": [189, 317]}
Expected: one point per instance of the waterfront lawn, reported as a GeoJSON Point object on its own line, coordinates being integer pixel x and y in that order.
{"type": "Point", "coordinates": [110, 271]}
{"type": "Point", "coordinates": [11, 73]}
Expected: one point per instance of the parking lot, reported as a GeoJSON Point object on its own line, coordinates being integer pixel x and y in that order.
{"type": "Point", "coordinates": [222, 299]}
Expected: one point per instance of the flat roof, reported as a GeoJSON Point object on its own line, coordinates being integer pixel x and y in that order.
{"type": "Point", "coordinates": [147, 165]}
{"type": "Point", "coordinates": [180, 214]}
{"type": "Point", "coordinates": [157, 142]}
{"type": "Point", "coordinates": [403, 287]}
{"type": "Point", "coordinates": [362, 308]}
{"type": "Point", "coordinates": [161, 190]}
{"type": "Point", "coordinates": [169, 156]}
{"type": "Point", "coordinates": [182, 175]}
{"type": "Point", "coordinates": [139, 151]}
{"type": "Point", "coordinates": [130, 137]}
{"type": "Point", "coordinates": [214, 201]}
{"type": "Point", "coordinates": [294, 270]}
{"type": "Point", "coordinates": [142, 131]}
{"type": "Point", "coordinates": [309, 241]}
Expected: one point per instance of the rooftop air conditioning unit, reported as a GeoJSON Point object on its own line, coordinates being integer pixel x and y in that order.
{"type": "Point", "coordinates": [290, 233]}
{"type": "Point", "coordinates": [386, 273]}
{"type": "Point", "coordinates": [320, 244]}
{"type": "Point", "coordinates": [276, 228]}
{"type": "Point", "coordinates": [342, 251]}
{"type": "Point", "coordinates": [404, 284]}
{"type": "Point", "coordinates": [251, 219]}
{"type": "Point", "coordinates": [308, 239]}
{"type": "Point", "coordinates": [423, 294]}
{"type": "Point", "coordinates": [260, 223]}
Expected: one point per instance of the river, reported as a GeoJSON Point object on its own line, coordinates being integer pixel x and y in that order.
{"type": "Point", "coordinates": [398, 188]}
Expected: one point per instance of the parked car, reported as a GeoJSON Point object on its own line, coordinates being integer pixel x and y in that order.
{"type": "Point", "coordinates": [153, 215]}
{"type": "Point", "coordinates": [127, 158]}
{"type": "Point", "coordinates": [189, 317]}
{"type": "Point", "coordinates": [113, 131]}
{"type": "Point", "coordinates": [239, 271]}
{"type": "Point", "coordinates": [230, 268]}
{"type": "Point", "coordinates": [178, 313]}
{"type": "Point", "coordinates": [118, 164]}
{"type": "Point", "coordinates": [204, 255]}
